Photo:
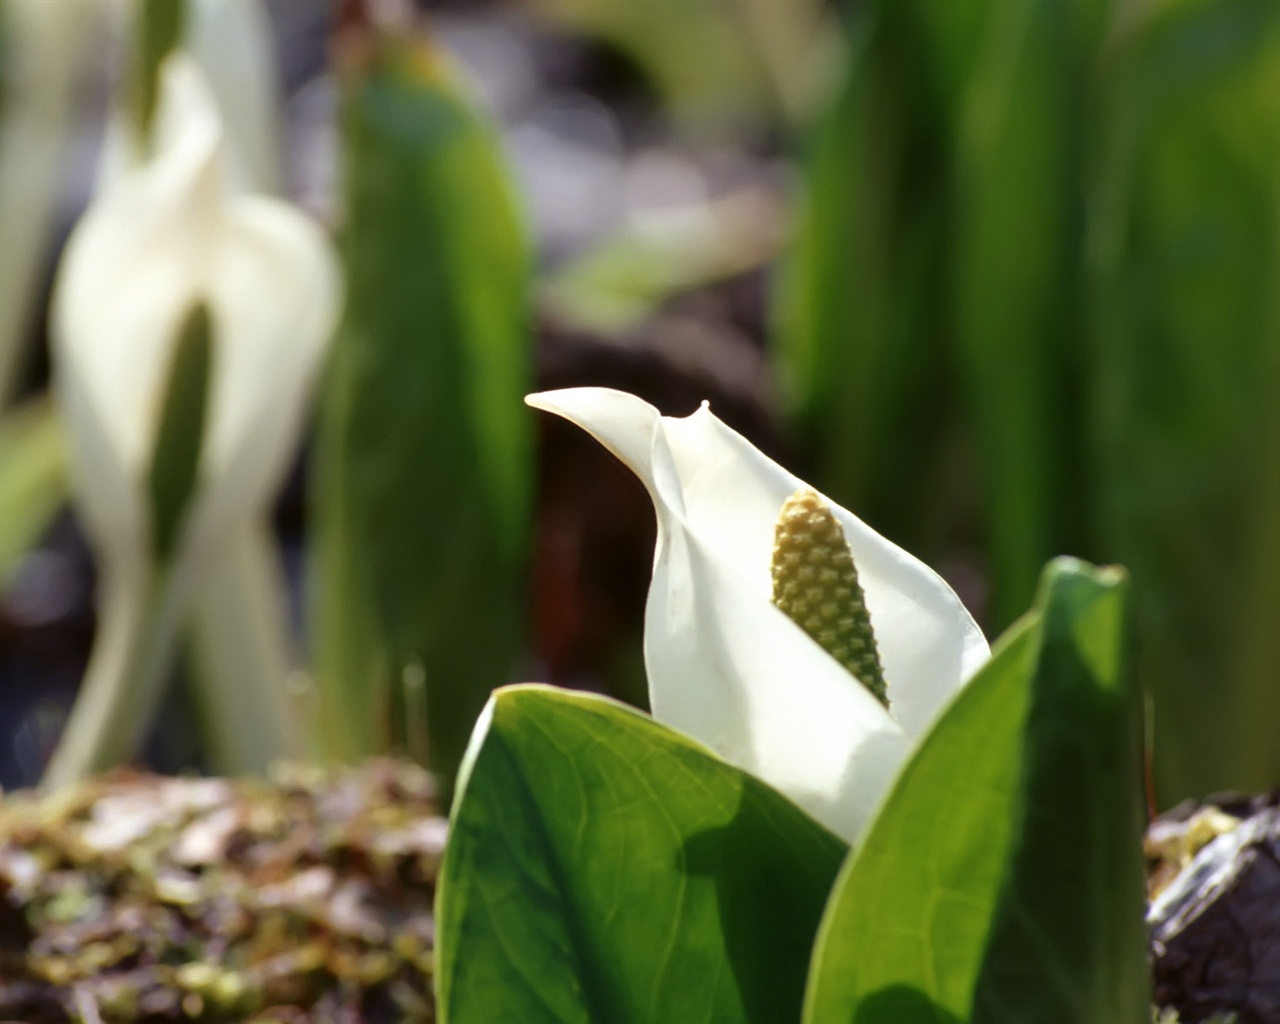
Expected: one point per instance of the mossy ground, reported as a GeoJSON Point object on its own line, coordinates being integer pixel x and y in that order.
{"type": "Point", "coordinates": [302, 898]}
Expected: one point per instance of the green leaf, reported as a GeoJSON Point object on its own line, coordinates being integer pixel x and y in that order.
{"type": "Point", "coordinates": [175, 463]}
{"type": "Point", "coordinates": [709, 61]}
{"type": "Point", "coordinates": [423, 470]}
{"type": "Point", "coordinates": [1003, 879]}
{"type": "Point", "coordinates": [622, 280]}
{"type": "Point", "coordinates": [33, 478]}
{"type": "Point", "coordinates": [159, 30]}
{"type": "Point", "coordinates": [1018, 189]}
{"type": "Point", "coordinates": [602, 867]}
{"type": "Point", "coordinates": [141, 610]}
{"type": "Point", "coordinates": [1185, 325]}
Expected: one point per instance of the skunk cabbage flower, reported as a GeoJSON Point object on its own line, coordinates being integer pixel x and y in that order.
{"type": "Point", "coordinates": [162, 244]}
{"type": "Point", "coordinates": [726, 665]}
{"type": "Point", "coordinates": [230, 42]}
{"type": "Point", "coordinates": [188, 323]}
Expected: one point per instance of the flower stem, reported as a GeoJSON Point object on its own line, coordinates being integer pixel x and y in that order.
{"type": "Point", "coordinates": [132, 653]}
{"type": "Point", "coordinates": [242, 655]}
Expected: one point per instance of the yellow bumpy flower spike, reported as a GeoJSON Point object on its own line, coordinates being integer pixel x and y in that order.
{"type": "Point", "coordinates": [816, 584]}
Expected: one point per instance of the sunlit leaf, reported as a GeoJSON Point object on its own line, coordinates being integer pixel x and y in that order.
{"type": "Point", "coordinates": [1003, 880]}
{"type": "Point", "coordinates": [602, 867]}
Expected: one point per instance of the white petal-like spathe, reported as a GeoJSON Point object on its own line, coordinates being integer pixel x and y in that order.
{"type": "Point", "coordinates": [728, 668]}
{"type": "Point", "coordinates": [230, 41]}
{"type": "Point", "coordinates": [156, 242]}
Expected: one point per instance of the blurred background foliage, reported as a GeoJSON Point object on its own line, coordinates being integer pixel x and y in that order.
{"type": "Point", "coordinates": [1001, 276]}
{"type": "Point", "coordinates": [422, 462]}
{"type": "Point", "coordinates": [1040, 251]}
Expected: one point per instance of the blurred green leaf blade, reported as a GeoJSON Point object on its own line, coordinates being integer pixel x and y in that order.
{"type": "Point", "coordinates": [1017, 131]}
{"type": "Point", "coordinates": [1003, 879]}
{"type": "Point", "coordinates": [603, 867]}
{"type": "Point", "coordinates": [861, 334]}
{"type": "Point", "coordinates": [33, 478]}
{"type": "Point", "coordinates": [174, 472]}
{"type": "Point", "coordinates": [1185, 328]}
{"type": "Point", "coordinates": [159, 28]}
{"type": "Point", "coordinates": [422, 465]}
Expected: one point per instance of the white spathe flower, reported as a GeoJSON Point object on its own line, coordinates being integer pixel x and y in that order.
{"type": "Point", "coordinates": [159, 240]}
{"type": "Point", "coordinates": [230, 41]}
{"type": "Point", "coordinates": [727, 667]}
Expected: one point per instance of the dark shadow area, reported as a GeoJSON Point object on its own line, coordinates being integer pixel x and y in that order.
{"type": "Point", "coordinates": [901, 1004]}
{"type": "Point", "coordinates": [772, 879]}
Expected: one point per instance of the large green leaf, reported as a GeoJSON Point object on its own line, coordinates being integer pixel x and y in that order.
{"type": "Point", "coordinates": [180, 429]}
{"type": "Point", "coordinates": [422, 462]}
{"type": "Point", "coordinates": [1003, 880]}
{"type": "Point", "coordinates": [604, 868]}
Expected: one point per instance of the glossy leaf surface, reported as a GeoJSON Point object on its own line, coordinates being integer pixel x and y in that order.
{"type": "Point", "coordinates": [602, 867]}
{"type": "Point", "coordinates": [1003, 879]}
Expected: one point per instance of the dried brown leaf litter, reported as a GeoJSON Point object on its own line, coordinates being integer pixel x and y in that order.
{"type": "Point", "coordinates": [141, 898]}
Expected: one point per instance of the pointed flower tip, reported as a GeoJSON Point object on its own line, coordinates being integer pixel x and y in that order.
{"type": "Point", "coordinates": [602, 412]}
{"type": "Point", "coordinates": [564, 403]}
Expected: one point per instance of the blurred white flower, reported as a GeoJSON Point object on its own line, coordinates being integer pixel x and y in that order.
{"type": "Point", "coordinates": [159, 242]}
{"type": "Point", "coordinates": [230, 41]}
{"type": "Point", "coordinates": [726, 666]}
